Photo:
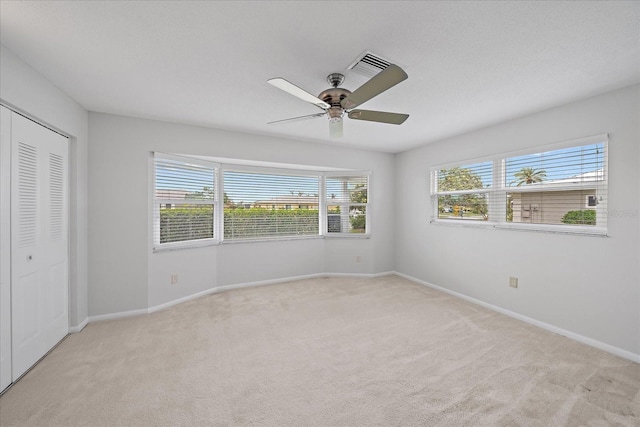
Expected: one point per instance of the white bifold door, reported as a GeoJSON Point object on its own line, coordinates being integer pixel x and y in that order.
{"type": "Point", "coordinates": [39, 286]}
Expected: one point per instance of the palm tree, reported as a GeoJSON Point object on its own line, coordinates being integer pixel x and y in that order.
{"type": "Point", "coordinates": [528, 175]}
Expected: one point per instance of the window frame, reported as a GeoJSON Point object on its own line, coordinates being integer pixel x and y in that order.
{"type": "Point", "coordinates": [498, 191]}
{"type": "Point", "coordinates": [367, 221]}
{"type": "Point", "coordinates": [219, 167]}
{"type": "Point", "coordinates": [155, 213]}
{"type": "Point", "coordinates": [224, 167]}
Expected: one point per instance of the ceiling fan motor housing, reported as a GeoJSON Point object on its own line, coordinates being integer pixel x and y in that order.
{"type": "Point", "coordinates": [333, 97]}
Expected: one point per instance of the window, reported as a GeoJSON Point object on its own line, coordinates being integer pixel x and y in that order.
{"type": "Point", "coordinates": [184, 201]}
{"type": "Point", "coordinates": [197, 202]}
{"type": "Point", "coordinates": [463, 192]}
{"type": "Point", "coordinates": [347, 201]}
{"type": "Point", "coordinates": [559, 188]}
{"type": "Point", "coordinates": [261, 205]}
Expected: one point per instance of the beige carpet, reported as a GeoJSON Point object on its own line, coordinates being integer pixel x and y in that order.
{"type": "Point", "coordinates": [324, 352]}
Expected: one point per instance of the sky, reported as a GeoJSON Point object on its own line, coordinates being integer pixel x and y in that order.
{"type": "Point", "coordinates": [557, 164]}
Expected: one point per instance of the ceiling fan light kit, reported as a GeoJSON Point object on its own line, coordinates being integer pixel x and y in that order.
{"type": "Point", "coordinates": [337, 101]}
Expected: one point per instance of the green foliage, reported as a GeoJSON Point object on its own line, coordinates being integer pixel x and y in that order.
{"type": "Point", "coordinates": [184, 223]}
{"type": "Point", "coordinates": [461, 179]}
{"type": "Point", "coordinates": [360, 194]}
{"type": "Point", "coordinates": [193, 223]}
{"type": "Point", "coordinates": [260, 222]}
{"type": "Point", "coordinates": [458, 179]}
{"type": "Point", "coordinates": [528, 175]}
{"type": "Point", "coordinates": [358, 223]}
{"type": "Point", "coordinates": [583, 217]}
{"type": "Point", "coordinates": [509, 210]}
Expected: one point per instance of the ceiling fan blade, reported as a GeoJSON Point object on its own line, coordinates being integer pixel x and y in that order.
{"type": "Point", "coordinates": [294, 90]}
{"type": "Point", "coordinates": [378, 116]}
{"type": "Point", "coordinates": [385, 79]}
{"type": "Point", "coordinates": [294, 119]}
{"type": "Point", "coordinates": [335, 129]}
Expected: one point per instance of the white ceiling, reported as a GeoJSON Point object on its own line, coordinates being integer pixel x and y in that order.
{"type": "Point", "coordinates": [470, 64]}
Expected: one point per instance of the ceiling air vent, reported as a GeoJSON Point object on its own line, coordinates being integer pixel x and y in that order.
{"type": "Point", "coordinates": [369, 64]}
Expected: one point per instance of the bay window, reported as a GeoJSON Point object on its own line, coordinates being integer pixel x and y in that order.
{"type": "Point", "coordinates": [198, 202]}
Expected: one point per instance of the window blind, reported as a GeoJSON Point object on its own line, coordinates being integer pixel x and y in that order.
{"type": "Point", "coordinates": [564, 187]}
{"type": "Point", "coordinates": [263, 204]}
{"type": "Point", "coordinates": [463, 191]}
{"type": "Point", "coordinates": [184, 199]}
{"type": "Point", "coordinates": [347, 202]}
{"type": "Point", "coordinates": [560, 188]}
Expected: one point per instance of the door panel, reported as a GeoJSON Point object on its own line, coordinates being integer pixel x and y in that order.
{"type": "Point", "coordinates": [26, 312]}
{"type": "Point", "coordinates": [5, 248]}
{"type": "Point", "coordinates": [39, 252]}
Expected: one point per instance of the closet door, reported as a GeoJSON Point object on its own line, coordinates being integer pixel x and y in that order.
{"type": "Point", "coordinates": [39, 241]}
{"type": "Point", "coordinates": [5, 248]}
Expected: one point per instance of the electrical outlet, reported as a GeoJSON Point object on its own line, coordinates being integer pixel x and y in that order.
{"type": "Point", "coordinates": [174, 279]}
{"type": "Point", "coordinates": [513, 282]}
{"type": "Point", "coordinates": [358, 259]}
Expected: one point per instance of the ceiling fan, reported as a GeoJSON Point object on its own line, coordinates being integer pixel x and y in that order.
{"type": "Point", "coordinates": [335, 101]}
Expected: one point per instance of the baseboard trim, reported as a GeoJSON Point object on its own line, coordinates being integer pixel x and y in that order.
{"type": "Point", "coordinates": [361, 275]}
{"type": "Point", "coordinates": [118, 315]}
{"type": "Point", "coordinates": [180, 300]}
{"type": "Point", "coordinates": [80, 327]}
{"type": "Point", "coordinates": [572, 335]}
{"type": "Point", "coordinates": [216, 290]}
{"type": "Point", "coordinates": [268, 282]}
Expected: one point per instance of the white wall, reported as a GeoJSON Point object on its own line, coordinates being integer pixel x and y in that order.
{"type": "Point", "coordinates": [589, 286]}
{"type": "Point", "coordinates": [125, 275]}
{"type": "Point", "coordinates": [25, 90]}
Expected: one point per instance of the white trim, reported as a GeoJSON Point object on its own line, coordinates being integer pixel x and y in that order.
{"type": "Point", "coordinates": [185, 244]}
{"type": "Point", "coordinates": [360, 275]}
{"type": "Point", "coordinates": [574, 230]}
{"type": "Point", "coordinates": [347, 236]}
{"type": "Point", "coordinates": [271, 239]}
{"type": "Point", "coordinates": [5, 248]}
{"type": "Point", "coordinates": [26, 115]}
{"type": "Point", "coordinates": [119, 315]}
{"type": "Point", "coordinates": [185, 159]}
{"type": "Point", "coordinates": [263, 170]}
{"type": "Point", "coordinates": [224, 288]}
{"type": "Point", "coordinates": [218, 289]}
{"type": "Point", "coordinates": [80, 327]}
{"type": "Point", "coordinates": [165, 305]}
{"type": "Point", "coordinates": [347, 173]}
{"type": "Point", "coordinates": [572, 335]}
{"type": "Point", "coordinates": [258, 163]}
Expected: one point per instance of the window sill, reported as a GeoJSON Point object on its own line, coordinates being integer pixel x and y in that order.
{"type": "Point", "coordinates": [270, 239]}
{"type": "Point", "coordinates": [539, 228]}
{"type": "Point", "coordinates": [214, 242]}
{"type": "Point", "coordinates": [185, 245]}
{"type": "Point", "coordinates": [347, 236]}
